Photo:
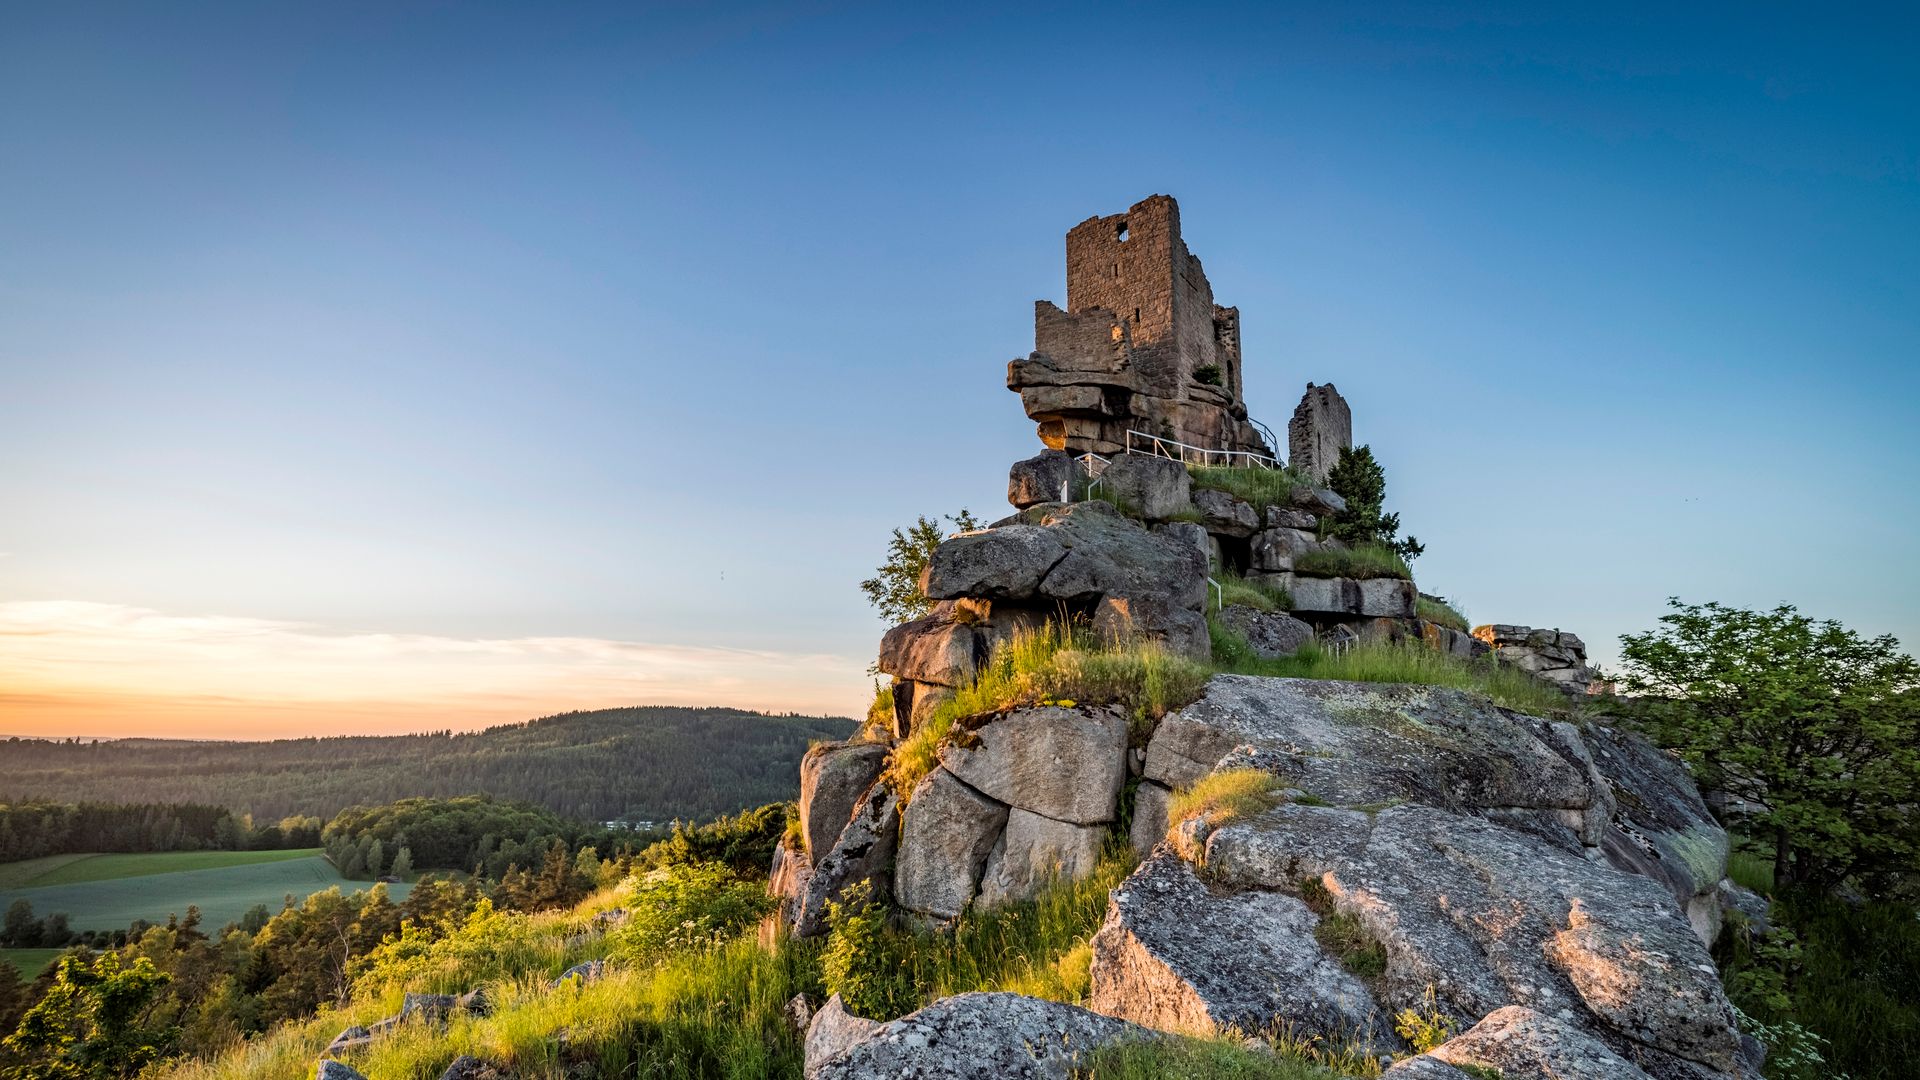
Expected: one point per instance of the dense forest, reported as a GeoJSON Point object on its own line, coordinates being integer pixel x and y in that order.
{"type": "Point", "coordinates": [651, 763]}
{"type": "Point", "coordinates": [30, 830]}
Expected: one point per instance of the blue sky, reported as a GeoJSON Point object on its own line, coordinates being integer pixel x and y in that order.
{"type": "Point", "coordinates": [370, 367]}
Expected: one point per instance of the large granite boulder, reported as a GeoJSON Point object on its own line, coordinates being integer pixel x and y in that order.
{"type": "Point", "coordinates": [946, 833]}
{"type": "Point", "coordinates": [978, 1036]}
{"type": "Point", "coordinates": [329, 1069]}
{"type": "Point", "coordinates": [1034, 851]}
{"type": "Point", "coordinates": [1174, 956]}
{"type": "Point", "coordinates": [1064, 763]}
{"type": "Point", "coordinates": [1224, 515]}
{"type": "Point", "coordinates": [1004, 563]}
{"type": "Point", "coordinates": [1273, 550]}
{"type": "Point", "coordinates": [1155, 488]}
{"type": "Point", "coordinates": [1182, 631]}
{"type": "Point", "coordinates": [833, 777]}
{"type": "Point", "coordinates": [1044, 477]}
{"type": "Point", "coordinates": [831, 1032]}
{"type": "Point", "coordinates": [1270, 634]}
{"type": "Point", "coordinates": [1110, 555]}
{"type": "Point", "coordinates": [938, 649]}
{"type": "Point", "coordinates": [863, 852]}
{"type": "Point", "coordinates": [1374, 598]}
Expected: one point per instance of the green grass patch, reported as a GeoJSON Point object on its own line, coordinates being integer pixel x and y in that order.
{"type": "Point", "coordinates": [1202, 1059]}
{"type": "Point", "coordinates": [1343, 936]}
{"type": "Point", "coordinates": [29, 962]}
{"type": "Point", "coordinates": [1435, 609]}
{"type": "Point", "coordinates": [1389, 663]}
{"type": "Point", "coordinates": [1751, 869]}
{"type": "Point", "coordinates": [1258, 487]}
{"type": "Point", "coordinates": [1858, 967]}
{"type": "Point", "coordinates": [1360, 561]}
{"type": "Point", "coordinates": [79, 869]}
{"type": "Point", "coordinates": [1058, 664]}
{"type": "Point", "coordinates": [1223, 796]}
{"type": "Point", "coordinates": [1260, 596]}
{"type": "Point", "coordinates": [222, 892]}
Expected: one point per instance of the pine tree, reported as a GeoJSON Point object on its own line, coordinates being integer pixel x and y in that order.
{"type": "Point", "coordinates": [1360, 480]}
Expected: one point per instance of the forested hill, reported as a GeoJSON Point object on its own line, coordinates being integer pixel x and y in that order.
{"type": "Point", "coordinates": [651, 762]}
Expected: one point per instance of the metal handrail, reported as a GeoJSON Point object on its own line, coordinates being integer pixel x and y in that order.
{"type": "Point", "coordinates": [1188, 454]}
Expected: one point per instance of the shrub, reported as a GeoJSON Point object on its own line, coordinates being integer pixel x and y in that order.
{"type": "Point", "coordinates": [1207, 373]}
{"type": "Point", "coordinates": [894, 588]}
{"type": "Point", "coordinates": [1436, 609]}
{"type": "Point", "coordinates": [1426, 1027]}
{"type": "Point", "coordinates": [688, 906]}
{"type": "Point", "coordinates": [1056, 663]}
{"type": "Point", "coordinates": [1366, 560]}
{"type": "Point", "coordinates": [864, 962]}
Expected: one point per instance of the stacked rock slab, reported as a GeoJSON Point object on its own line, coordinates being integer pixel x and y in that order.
{"type": "Point", "coordinates": [1486, 852]}
{"type": "Point", "coordinates": [1553, 656]}
{"type": "Point", "coordinates": [1141, 345]}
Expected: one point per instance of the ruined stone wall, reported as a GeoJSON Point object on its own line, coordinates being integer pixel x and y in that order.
{"type": "Point", "coordinates": [1321, 427]}
{"type": "Point", "coordinates": [1140, 326]}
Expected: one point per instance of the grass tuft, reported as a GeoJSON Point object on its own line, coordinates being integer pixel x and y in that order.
{"type": "Point", "coordinates": [1359, 561]}
{"type": "Point", "coordinates": [1235, 589]}
{"type": "Point", "coordinates": [1208, 1059]}
{"type": "Point", "coordinates": [1056, 663]}
{"type": "Point", "coordinates": [1436, 609]}
{"type": "Point", "coordinates": [1405, 663]}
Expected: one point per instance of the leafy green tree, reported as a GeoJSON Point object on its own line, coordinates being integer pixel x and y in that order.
{"type": "Point", "coordinates": [92, 1022]}
{"type": "Point", "coordinates": [402, 864]}
{"type": "Point", "coordinates": [895, 586]}
{"type": "Point", "coordinates": [1360, 480]}
{"type": "Point", "coordinates": [1813, 730]}
{"type": "Point", "coordinates": [22, 930]}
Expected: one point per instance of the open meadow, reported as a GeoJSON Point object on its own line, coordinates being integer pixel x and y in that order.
{"type": "Point", "coordinates": [109, 892]}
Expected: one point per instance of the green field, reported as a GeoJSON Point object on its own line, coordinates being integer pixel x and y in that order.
{"type": "Point", "coordinates": [77, 869]}
{"type": "Point", "coordinates": [109, 892]}
{"type": "Point", "coordinates": [28, 962]}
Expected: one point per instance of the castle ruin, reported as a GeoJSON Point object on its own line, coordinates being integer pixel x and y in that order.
{"type": "Point", "coordinates": [1141, 345]}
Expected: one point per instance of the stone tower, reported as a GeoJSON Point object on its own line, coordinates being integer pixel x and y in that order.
{"type": "Point", "coordinates": [1321, 427]}
{"type": "Point", "coordinates": [1141, 345]}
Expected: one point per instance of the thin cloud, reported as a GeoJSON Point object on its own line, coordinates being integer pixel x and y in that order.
{"type": "Point", "coordinates": [71, 665]}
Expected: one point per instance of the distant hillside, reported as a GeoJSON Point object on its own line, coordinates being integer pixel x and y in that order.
{"type": "Point", "coordinates": [652, 762]}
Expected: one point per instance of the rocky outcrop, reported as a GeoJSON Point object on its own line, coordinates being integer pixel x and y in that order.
{"type": "Point", "coordinates": [1471, 844]}
{"type": "Point", "coordinates": [1370, 598]}
{"type": "Point", "coordinates": [1553, 656]}
{"type": "Point", "coordinates": [1661, 827]}
{"type": "Point", "coordinates": [976, 1036]}
{"type": "Point", "coordinates": [1034, 850]}
{"type": "Point", "coordinates": [328, 1069]}
{"type": "Point", "coordinates": [1153, 488]}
